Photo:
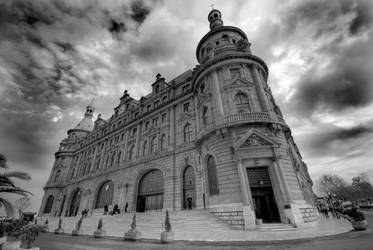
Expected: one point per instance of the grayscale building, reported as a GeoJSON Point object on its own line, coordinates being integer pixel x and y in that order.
{"type": "Point", "coordinates": [211, 138]}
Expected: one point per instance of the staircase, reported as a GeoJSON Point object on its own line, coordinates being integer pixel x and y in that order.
{"type": "Point", "coordinates": [191, 224]}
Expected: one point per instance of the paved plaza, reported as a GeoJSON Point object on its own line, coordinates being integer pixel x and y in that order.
{"type": "Point", "coordinates": [349, 240]}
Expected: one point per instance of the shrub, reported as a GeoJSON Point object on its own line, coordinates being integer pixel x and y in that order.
{"type": "Point", "coordinates": [14, 228]}
{"type": "Point", "coordinates": [30, 233]}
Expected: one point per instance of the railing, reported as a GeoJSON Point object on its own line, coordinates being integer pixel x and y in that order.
{"type": "Point", "coordinates": [258, 117]}
{"type": "Point", "coordinates": [253, 117]}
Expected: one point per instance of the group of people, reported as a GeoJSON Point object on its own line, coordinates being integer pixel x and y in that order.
{"type": "Point", "coordinates": [85, 212]}
{"type": "Point", "coordinates": [115, 209]}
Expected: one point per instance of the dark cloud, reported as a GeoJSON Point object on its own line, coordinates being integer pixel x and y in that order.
{"type": "Point", "coordinates": [336, 29]}
{"type": "Point", "coordinates": [139, 11]}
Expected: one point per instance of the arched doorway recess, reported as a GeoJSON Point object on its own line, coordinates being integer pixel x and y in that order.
{"type": "Point", "coordinates": [150, 191]}
{"type": "Point", "coordinates": [75, 203]}
{"type": "Point", "coordinates": [189, 188]}
{"type": "Point", "coordinates": [105, 194]}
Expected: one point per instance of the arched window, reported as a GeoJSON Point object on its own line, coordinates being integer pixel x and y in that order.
{"type": "Point", "coordinates": [241, 99]}
{"type": "Point", "coordinates": [118, 156]}
{"type": "Point", "coordinates": [212, 175]}
{"type": "Point", "coordinates": [130, 152]}
{"type": "Point", "coordinates": [48, 204]}
{"type": "Point", "coordinates": [153, 144]}
{"type": "Point", "coordinates": [57, 176]}
{"type": "Point", "coordinates": [163, 141]}
{"type": "Point", "coordinates": [187, 133]}
{"type": "Point", "coordinates": [205, 115]}
{"type": "Point", "coordinates": [145, 148]}
{"type": "Point", "coordinates": [105, 194]}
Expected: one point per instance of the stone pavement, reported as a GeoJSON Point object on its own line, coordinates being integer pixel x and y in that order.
{"type": "Point", "coordinates": [202, 226]}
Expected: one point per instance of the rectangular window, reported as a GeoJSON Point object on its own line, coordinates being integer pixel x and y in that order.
{"type": "Point", "coordinates": [155, 121]}
{"type": "Point", "coordinates": [134, 130]}
{"type": "Point", "coordinates": [136, 114]}
{"type": "Point", "coordinates": [149, 107]}
{"type": "Point", "coordinates": [235, 72]}
{"type": "Point", "coordinates": [146, 124]}
{"type": "Point", "coordinates": [186, 107]}
{"type": "Point", "coordinates": [164, 117]}
{"type": "Point", "coordinates": [164, 99]}
{"type": "Point", "coordinates": [156, 103]}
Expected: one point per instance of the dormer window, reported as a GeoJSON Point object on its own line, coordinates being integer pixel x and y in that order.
{"type": "Point", "coordinates": [157, 89]}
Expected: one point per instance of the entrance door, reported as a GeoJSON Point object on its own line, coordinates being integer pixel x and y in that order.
{"type": "Point", "coordinates": [150, 194]}
{"type": "Point", "coordinates": [262, 194]}
{"type": "Point", "coordinates": [189, 188]}
{"type": "Point", "coordinates": [75, 203]}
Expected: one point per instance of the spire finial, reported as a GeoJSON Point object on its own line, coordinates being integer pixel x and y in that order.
{"type": "Point", "coordinates": [212, 6]}
{"type": "Point", "coordinates": [91, 103]}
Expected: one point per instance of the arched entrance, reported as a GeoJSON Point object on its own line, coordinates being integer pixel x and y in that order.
{"type": "Point", "coordinates": [105, 194]}
{"type": "Point", "coordinates": [75, 203]}
{"type": "Point", "coordinates": [189, 188]}
{"type": "Point", "coordinates": [150, 191]}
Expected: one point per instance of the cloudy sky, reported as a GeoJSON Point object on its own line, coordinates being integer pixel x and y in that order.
{"type": "Point", "coordinates": [56, 55]}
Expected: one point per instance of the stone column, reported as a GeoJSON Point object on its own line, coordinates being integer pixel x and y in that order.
{"type": "Point", "coordinates": [247, 203]}
{"type": "Point", "coordinates": [218, 98]}
{"type": "Point", "coordinates": [260, 89]}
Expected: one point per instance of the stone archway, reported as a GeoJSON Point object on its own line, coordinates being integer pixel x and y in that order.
{"type": "Point", "coordinates": [105, 194]}
{"type": "Point", "coordinates": [150, 191]}
{"type": "Point", "coordinates": [75, 203]}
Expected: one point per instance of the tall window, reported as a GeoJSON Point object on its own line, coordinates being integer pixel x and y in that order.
{"type": "Point", "coordinates": [98, 163]}
{"type": "Point", "coordinates": [186, 107]}
{"type": "Point", "coordinates": [58, 175]}
{"type": "Point", "coordinates": [145, 148]}
{"type": "Point", "coordinates": [187, 133]}
{"type": "Point", "coordinates": [153, 145]}
{"type": "Point", "coordinates": [205, 115]}
{"type": "Point", "coordinates": [131, 152]}
{"type": "Point", "coordinates": [118, 156]}
{"type": "Point", "coordinates": [72, 173]}
{"type": "Point", "coordinates": [241, 99]}
{"type": "Point", "coordinates": [212, 176]}
{"type": "Point", "coordinates": [163, 141]}
{"type": "Point", "coordinates": [48, 204]}
{"type": "Point", "coordinates": [112, 159]}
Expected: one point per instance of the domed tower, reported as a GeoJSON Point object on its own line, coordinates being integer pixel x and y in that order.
{"type": "Point", "coordinates": [250, 162]}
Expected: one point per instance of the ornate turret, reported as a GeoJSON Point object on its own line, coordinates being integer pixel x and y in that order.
{"type": "Point", "coordinates": [214, 18]}
{"type": "Point", "coordinates": [86, 123]}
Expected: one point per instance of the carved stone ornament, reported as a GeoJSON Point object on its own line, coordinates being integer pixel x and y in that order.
{"type": "Point", "coordinates": [254, 140]}
{"type": "Point", "coordinates": [243, 45]}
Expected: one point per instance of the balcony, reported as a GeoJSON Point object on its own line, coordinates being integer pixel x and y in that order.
{"type": "Point", "coordinates": [243, 118]}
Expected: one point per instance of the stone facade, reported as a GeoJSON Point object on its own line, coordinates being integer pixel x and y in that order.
{"type": "Point", "coordinates": [215, 134]}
